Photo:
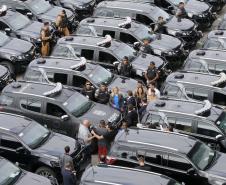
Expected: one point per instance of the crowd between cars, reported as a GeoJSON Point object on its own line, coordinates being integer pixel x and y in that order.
{"type": "Point", "coordinates": [117, 78]}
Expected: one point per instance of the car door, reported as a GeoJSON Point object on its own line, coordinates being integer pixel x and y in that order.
{"type": "Point", "coordinates": [12, 149]}
{"type": "Point", "coordinates": [106, 60]}
{"type": "Point", "coordinates": [52, 117]}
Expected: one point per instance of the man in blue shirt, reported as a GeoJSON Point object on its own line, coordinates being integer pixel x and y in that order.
{"type": "Point", "coordinates": [69, 177]}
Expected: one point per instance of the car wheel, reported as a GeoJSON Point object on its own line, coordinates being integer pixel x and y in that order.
{"type": "Point", "coordinates": [48, 173]}
{"type": "Point", "coordinates": [9, 66]}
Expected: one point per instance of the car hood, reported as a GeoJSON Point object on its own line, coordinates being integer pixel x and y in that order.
{"type": "Point", "coordinates": [32, 30]}
{"type": "Point", "coordinates": [101, 112]}
{"type": "Point", "coordinates": [31, 178]}
{"type": "Point", "coordinates": [166, 43]}
{"type": "Point", "coordinates": [184, 24]}
{"type": "Point", "coordinates": [16, 47]}
{"type": "Point", "coordinates": [54, 145]}
{"type": "Point", "coordinates": [53, 12]}
{"type": "Point", "coordinates": [142, 63]}
{"type": "Point", "coordinates": [124, 84]}
{"type": "Point", "coordinates": [196, 7]}
{"type": "Point", "coordinates": [75, 2]}
{"type": "Point", "coordinates": [218, 167]}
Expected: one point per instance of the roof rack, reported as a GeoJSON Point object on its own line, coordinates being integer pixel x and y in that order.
{"type": "Point", "coordinates": [219, 32]}
{"type": "Point", "coordinates": [16, 85]}
{"type": "Point", "coordinates": [126, 24]}
{"type": "Point", "coordinates": [207, 107]}
{"type": "Point", "coordinates": [179, 76]}
{"type": "Point", "coordinates": [80, 64]}
{"type": "Point", "coordinates": [200, 53]}
{"type": "Point", "coordinates": [221, 80]}
{"type": "Point", "coordinates": [69, 38]}
{"type": "Point", "coordinates": [58, 88]}
{"type": "Point", "coordinates": [41, 61]}
{"type": "Point", "coordinates": [160, 104]}
{"type": "Point", "coordinates": [105, 42]}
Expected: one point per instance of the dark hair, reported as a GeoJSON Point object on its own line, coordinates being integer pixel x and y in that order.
{"type": "Point", "coordinates": [181, 3]}
{"type": "Point", "coordinates": [46, 23]}
{"type": "Point", "coordinates": [64, 11]}
{"type": "Point", "coordinates": [125, 58]}
{"type": "Point", "coordinates": [170, 128]}
{"type": "Point", "coordinates": [153, 63]}
{"type": "Point", "coordinates": [130, 107]}
{"type": "Point", "coordinates": [67, 149]}
{"type": "Point", "coordinates": [130, 93]}
{"type": "Point", "coordinates": [144, 100]}
{"type": "Point", "coordinates": [153, 90]}
{"type": "Point", "coordinates": [102, 123]}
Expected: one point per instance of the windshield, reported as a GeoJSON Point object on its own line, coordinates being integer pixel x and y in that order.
{"type": "Point", "coordinates": [221, 122]}
{"type": "Point", "coordinates": [156, 12]}
{"type": "Point", "coordinates": [101, 75]}
{"type": "Point", "coordinates": [34, 135]}
{"type": "Point", "coordinates": [78, 104]}
{"type": "Point", "coordinates": [201, 155]}
{"type": "Point", "coordinates": [173, 182]}
{"type": "Point", "coordinates": [18, 21]}
{"type": "Point", "coordinates": [3, 39]}
{"type": "Point", "coordinates": [39, 6]}
{"type": "Point", "coordinates": [9, 173]}
{"type": "Point", "coordinates": [125, 50]}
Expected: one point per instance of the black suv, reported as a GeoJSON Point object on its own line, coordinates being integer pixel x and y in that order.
{"type": "Point", "coordinates": [15, 54]}
{"type": "Point", "coordinates": [200, 120]}
{"type": "Point", "coordinates": [179, 156]}
{"type": "Point", "coordinates": [82, 9]}
{"type": "Point", "coordinates": [112, 175]}
{"type": "Point", "coordinates": [206, 61]}
{"type": "Point", "coordinates": [130, 32]}
{"type": "Point", "coordinates": [104, 51]}
{"type": "Point", "coordinates": [11, 174]}
{"type": "Point", "coordinates": [60, 109]}
{"type": "Point", "coordinates": [198, 86]}
{"type": "Point", "coordinates": [216, 40]}
{"type": "Point", "coordinates": [75, 72]}
{"type": "Point", "coordinates": [40, 10]}
{"type": "Point", "coordinates": [148, 14]}
{"type": "Point", "coordinates": [5, 77]}
{"type": "Point", "coordinates": [17, 25]}
{"type": "Point", "coordinates": [35, 148]}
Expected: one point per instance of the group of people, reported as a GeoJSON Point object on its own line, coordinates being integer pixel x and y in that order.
{"type": "Point", "coordinates": [46, 36]}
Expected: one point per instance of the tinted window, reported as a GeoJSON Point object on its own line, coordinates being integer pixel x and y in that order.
{"type": "Point", "coordinates": [198, 94]}
{"type": "Point", "coordinates": [178, 162]}
{"type": "Point", "coordinates": [207, 129]}
{"type": "Point", "coordinates": [54, 110]}
{"type": "Point", "coordinates": [9, 142]}
{"type": "Point", "coordinates": [88, 54]}
{"type": "Point", "coordinates": [220, 68]}
{"type": "Point", "coordinates": [106, 57]}
{"type": "Point", "coordinates": [155, 157]}
{"type": "Point", "coordinates": [143, 19]}
{"type": "Point", "coordinates": [32, 105]}
{"type": "Point", "coordinates": [59, 77]}
{"type": "Point", "coordinates": [184, 124]}
{"type": "Point", "coordinates": [3, 26]}
{"type": "Point", "coordinates": [196, 66]}
{"type": "Point", "coordinates": [108, 32]}
{"type": "Point", "coordinates": [6, 100]}
{"type": "Point", "coordinates": [127, 38]}
{"type": "Point", "coordinates": [173, 91]}
{"type": "Point", "coordinates": [78, 81]}
{"type": "Point", "coordinates": [219, 98]}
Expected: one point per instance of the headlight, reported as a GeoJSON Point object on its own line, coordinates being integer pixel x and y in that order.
{"type": "Point", "coordinates": [54, 164]}
{"type": "Point", "coordinates": [171, 32]}
{"type": "Point", "coordinates": [190, 15]}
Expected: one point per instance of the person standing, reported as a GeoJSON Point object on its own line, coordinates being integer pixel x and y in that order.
{"type": "Point", "coordinates": [152, 73]}
{"type": "Point", "coordinates": [151, 95]}
{"type": "Point", "coordinates": [45, 37]}
{"type": "Point", "coordinates": [125, 69]}
{"type": "Point", "coordinates": [131, 99]}
{"type": "Point", "coordinates": [66, 158]}
{"type": "Point", "coordinates": [116, 99]}
{"type": "Point", "coordinates": [160, 26]}
{"type": "Point", "coordinates": [89, 91]}
{"type": "Point", "coordinates": [62, 23]}
{"type": "Point", "coordinates": [101, 95]}
{"type": "Point", "coordinates": [181, 12]}
{"type": "Point", "coordinates": [146, 48]}
{"type": "Point", "coordinates": [69, 176]}
{"type": "Point", "coordinates": [131, 117]}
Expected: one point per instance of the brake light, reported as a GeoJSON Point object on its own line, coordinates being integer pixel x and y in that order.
{"type": "Point", "coordinates": [1, 109]}
{"type": "Point", "coordinates": [110, 160]}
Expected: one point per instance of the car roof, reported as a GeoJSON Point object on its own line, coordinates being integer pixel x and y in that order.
{"type": "Point", "coordinates": [37, 90]}
{"type": "Point", "coordinates": [210, 55]}
{"type": "Point", "coordinates": [141, 7]}
{"type": "Point", "coordinates": [13, 123]}
{"type": "Point", "coordinates": [148, 138]}
{"type": "Point", "coordinates": [184, 107]}
{"type": "Point", "coordinates": [123, 176]}
{"type": "Point", "coordinates": [109, 22]}
{"type": "Point", "coordinates": [200, 79]}
{"type": "Point", "coordinates": [89, 41]}
{"type": "Point", "coordinates": [9, 13]}
{"type": "Point", "coordinates": [217, 34]}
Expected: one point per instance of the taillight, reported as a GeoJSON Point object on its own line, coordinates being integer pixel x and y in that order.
{"type": "Point", "coordinates": [110, 160]}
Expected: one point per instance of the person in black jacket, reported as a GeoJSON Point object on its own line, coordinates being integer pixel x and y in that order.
{"type": "Point", "coordinates": [181, 12]}
{"type": "Point", "coordinates": [131, 99]}
{"type": "Point", "coordinates": [102, 95]}
{"type": "Point", "coordinates": [160, 26]}
{"type": "Point", "coordinates": [125, 68]}
{"type": "Point", "coordinates": [69, 177]}
{"type": "Point", "coordinates": [89, 91]}
{"type": "Point", "coordinates": [146, 48]}
{"type": "Point", "coordinates": [131, 117]}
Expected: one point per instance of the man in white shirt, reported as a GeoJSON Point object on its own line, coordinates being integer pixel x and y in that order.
{"type": "Point", "coordinates": [157, 92]}
{"type": "Point", "coordinates": [84, 133]}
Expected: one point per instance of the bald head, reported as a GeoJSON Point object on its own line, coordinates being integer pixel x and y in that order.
{"type": "Point", "coordinates": [86, 123]}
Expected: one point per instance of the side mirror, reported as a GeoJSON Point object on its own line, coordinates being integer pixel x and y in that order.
{"type": "Point", "coordinates": [21, 150]}
{"type": "Point", "coordinates": [116, 63]}
{"type": "Point", "coordinates": [30, 15]}
{"type": "Point", "coordinates": [219, 137]}
{"type": "Point", "coordinates": [170, 7]}
{"type": "Point", "coordinates": [136, 45]}
{"type": "Point", "coordinates": [8, 31]}
{"type": "Point", "coordinates": [191, 171]}
{"type": "Point", "coordinates": [65, 117]}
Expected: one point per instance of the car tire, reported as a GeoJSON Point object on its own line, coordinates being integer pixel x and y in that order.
{"type": "Point", "coordinates": [48, 173]}
{"type": "Point", "coordinates": [9, 66]}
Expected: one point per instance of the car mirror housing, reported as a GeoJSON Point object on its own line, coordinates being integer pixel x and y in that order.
{"type": "Point", "coordinates": [7, 30]}
{"type": "Point", "coordinates": [65, 117]}
{"type": "Point", "coordinates": [30, 15]}
{"type": "Point", "coordinates": [219, 137]}
{"type": "Point", "coordinates": [191, 171]}
{"type": "Point", "coordinates": [116, 63]}
{"type": "Point", "coordinates": [21, 150]}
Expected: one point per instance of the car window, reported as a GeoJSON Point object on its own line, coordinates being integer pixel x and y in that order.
{"type": "Point", "coordinates": [213, 44]}
{"type": "Point", "coordinates": [84, 30]}
{"type": "Point", "coordinates": [196, 66]}
{"type": "Point", "coordinates": [6, 100]}
{"type": "Point", "coordinates": [34, 75]}
{"type": "Point", "coordinates": [219, 98]}
{"type": "Point", "coordinates": [127, 38]}
{"type": "Point", "coordinates": [54, 110]}
{"type": "Point", "coordinates": [3, 26]}
{"type": "Point", "coordinates": [143, 19]}
{"type": "Point", "coordinates": [198, 94]}
{"type": "Point", "coordinates": [155, 157]}
{"type": "Point", "coordinates": [10, 142]}
{"type": "Point", "coordinates": [184, 125]}
{"type": "Point", "coordinates": [62, 51]}
{"type": "Point", "coordinates": [104, 12]}
{"type": "Point", "coordinates": [178, 162]}
{"type": "Point", "coordinates": [207, 129]}
{"type": "Point", "coordinates": [173, 91]}
{"type": "Point", "coordinates": [58, 77]}
{"type": "Point", "coordinates": [220, 68]}
{"type": "Point", "coordinates": [31, 105]}
{"type": "Point", "coordinates": [87, 53]}
{"type": "Point", "coordinates": [78, 81]}
{"type": "Point", "coordinates": [106, 58]}
{"type": "Point", "coordinates": [108, 32]}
